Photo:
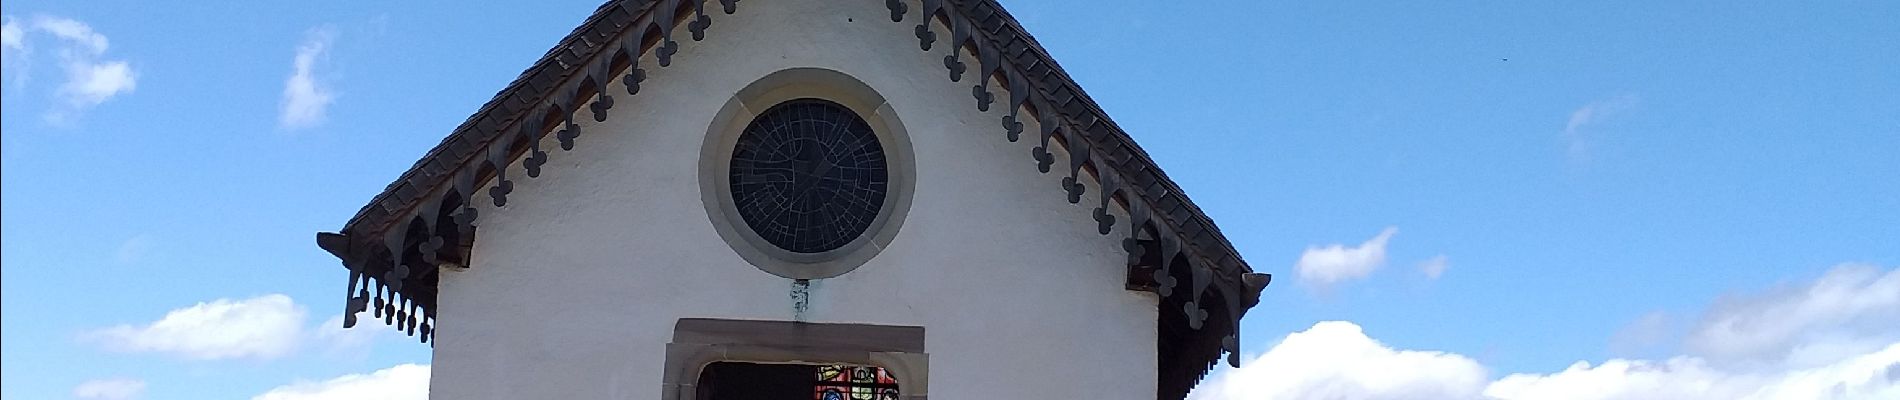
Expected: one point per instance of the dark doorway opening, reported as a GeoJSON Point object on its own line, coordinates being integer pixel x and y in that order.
{"type": "Point", "coordinates": [751, 381]}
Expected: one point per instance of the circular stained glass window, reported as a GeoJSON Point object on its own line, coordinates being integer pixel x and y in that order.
{"type": "Point", "coordinates": [808, 176]}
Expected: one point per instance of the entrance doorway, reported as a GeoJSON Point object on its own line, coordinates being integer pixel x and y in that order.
{"type": "Point", "coordinates": [756, 381]}
{"type": "Point", "coordinates": [728, 359]}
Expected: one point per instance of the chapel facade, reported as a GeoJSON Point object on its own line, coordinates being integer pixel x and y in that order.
{"type": "Point", "coordinates": [797, 199]}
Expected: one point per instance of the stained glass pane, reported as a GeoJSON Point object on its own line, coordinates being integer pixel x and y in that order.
{"type": "Point", "coordinates": [845, 382]}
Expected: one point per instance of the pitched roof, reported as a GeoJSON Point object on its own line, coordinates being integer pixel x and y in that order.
{"type": "Point", "coordinates": [1175, 249]}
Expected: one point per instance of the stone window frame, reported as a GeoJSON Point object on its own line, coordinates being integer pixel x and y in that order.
{"type": "Point", "coordinates": [699, 342]}
{"type": "Point", "coordinates": [793, 84]}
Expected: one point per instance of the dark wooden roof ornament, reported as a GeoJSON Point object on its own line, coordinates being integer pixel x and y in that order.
{"type": "Point", "coordinates": [498, 160]}
{"type": "Point", "coordinates": [465, 187]}
{"type": "Point", "coordinates": [635, 74]}
{"type": "Point", "coordinates": [666, 20]}
{"type": "Point", "coordinates": [1169, 240]}
{"type": "Point", "coordinates": [1164, 278]}
{"type": "Point", "coordinates": [1050, 123]}
{"type": "Point", "coordinates": [569, 132]}
{"type": "Point", "coordinates": [1018, 98]}
{"type": "Point", "coordinates": [1197, 315]}
{"type": "Point", "coordinates": [1078, 156]}
{"type": "Point", "coordinates": [1111, 187]}
{"type": "Point", "coordinates": [897, 8]}
{"type": "Point", "coordinates": [536, 158]}
{"type": "Point", "coordinates": [597, 77]}
{"type": "Point", "coordinates": [700, 22]}
{"type": "Point", "coordinates": [987, 64]}
{"type": "Point", "coordinates": [924, 36]}
{"type": "Point", "coordinates": [959, 36]}
{"type": "Point", "coordinates": [353, 303]}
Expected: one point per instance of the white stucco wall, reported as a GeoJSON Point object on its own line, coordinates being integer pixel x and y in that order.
{"type": "Point", "coordinates": [577, 283]}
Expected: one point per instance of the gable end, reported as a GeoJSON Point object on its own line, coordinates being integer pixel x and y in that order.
{"type": "Point", "coordinates": [423, 221]}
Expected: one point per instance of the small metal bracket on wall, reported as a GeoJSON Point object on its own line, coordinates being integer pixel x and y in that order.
{"type": "Point", "coordinates": [801, 298]}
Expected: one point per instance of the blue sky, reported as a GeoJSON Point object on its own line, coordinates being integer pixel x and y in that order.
{"type": "Point", "coordinates": [1693, 190]}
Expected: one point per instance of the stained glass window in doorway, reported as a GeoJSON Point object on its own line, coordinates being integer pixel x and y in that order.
{"type": "Point", "coordinates": [734, 380]}
{"type": "Point", "coordinates": [845, 382]}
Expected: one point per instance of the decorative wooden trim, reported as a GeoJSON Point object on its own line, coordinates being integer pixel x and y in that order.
{"type": "Point", "coordinates": [1174, 249]}
{"type": "Point", "coordinates": [395, 245]}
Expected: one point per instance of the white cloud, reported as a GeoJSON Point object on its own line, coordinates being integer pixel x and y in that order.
{"type": "Point", "coordinates": [338, 339]}
{"type": "Point", "coordinates": [12, 37]}
{"type": "Point", "coordinates": [1676, 378]}
{"type": "Point", "coordinates": [1578, 140]}
{"type": "Point", "coordinates": [401, 382]}
{"type": "Point", "coordinates": [262, 327]}
{"type": "Point", "coordinates": [1849, 303]}
{"type": "Point", "coordinates": [1648, 331]}
{"type": "Point", "coordinates": [1434, 267]}
{"type": "Point", "coordinates": [13, 51]}
{"type": "Point", "coordinates": [91, 82]}
{"type": "Point", "coordinates": [135, 249]}
{"type": "Point", "coordinates": [306, 97]}
{"type": "Point", "coordinates": [1336, 360]}
{"type": "Point", "coordinates": [110, 389]}
{"type": "Point", "coordinates": [1336, 263]}
{"type": "Point", "coordinates": [75, 32]}
{"type": "Point", "coordinates": [91, 78]}
{"type": "Point", "coordinates": [1868, 376]}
